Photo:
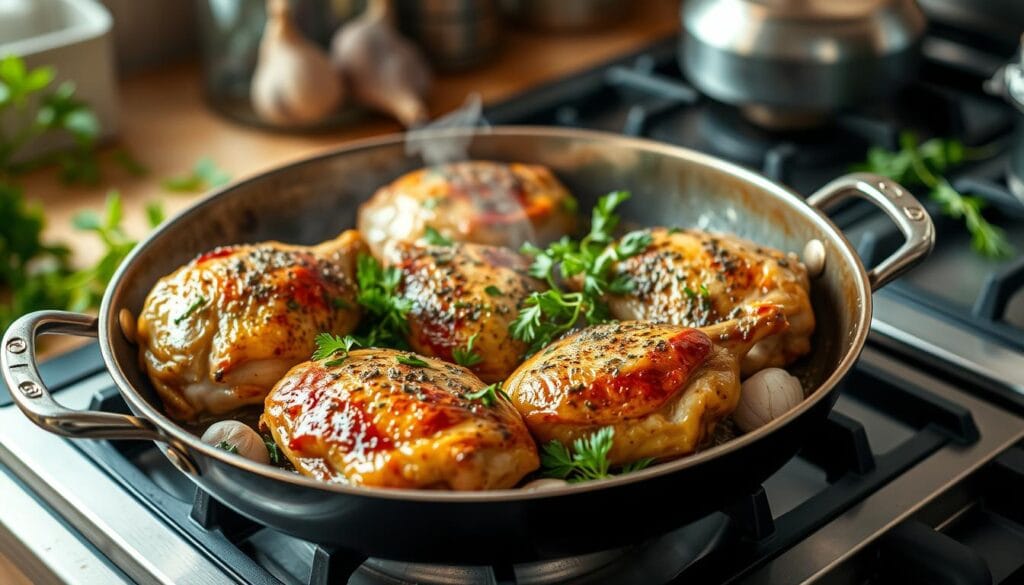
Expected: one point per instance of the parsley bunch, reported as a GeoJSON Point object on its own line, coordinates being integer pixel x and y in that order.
{"type": "Point", "coordinates": [546, 315]}
{"type": "Point", "coordinates": [924, 164]}
{"type": "Point", "coordinates": [385, 320]}
{"type": "Point", "coordinates": [587, 460]}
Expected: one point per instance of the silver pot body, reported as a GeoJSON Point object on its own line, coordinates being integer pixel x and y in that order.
{"type": "Point", "coordinates": [314, 199]}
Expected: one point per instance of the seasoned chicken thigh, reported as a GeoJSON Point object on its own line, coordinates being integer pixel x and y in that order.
{"type": "Point", "coordinates": [219, 332]}
{"type": "Point", "coordinates": [662, 387]}
{"type": "Point", "coordinates": [464, 297]}
{"type": "Point", "coordinates": [695, 278]}
{"type": "Point", "coordinates": [379, 418]}
{"type": "Point", "coordinates": [475, 201]}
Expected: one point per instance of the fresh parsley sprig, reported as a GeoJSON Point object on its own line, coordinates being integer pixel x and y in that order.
{"type": "Point", "coordinates": [434, 237]}
{"type": "Point", "coordinates": [412, 360]}
{"type": "Point", "coordinates": [588, 459]}
{"type": "Point", "coordinates": [488, 395]}
{"type": "Point", "coordinates": [386, 310]}
{"type": "Point", "coordinates": [546, 315]}
{"type": "Point", "coordinates": [924, 164]}
{"type": "Point", "coordinates": [328, 345]}
{"type": "Point", "coordinates": [466, 356]}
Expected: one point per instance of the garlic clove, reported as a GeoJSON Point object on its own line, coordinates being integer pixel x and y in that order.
{"type": "Point", "coordinates": [765, 396]}
{"type": "Point", "coordinates": [232, 433]}
{"type": "Point", "coordinates": [294, 83]}
{"type": "Point", "coordinates": [383, 69]}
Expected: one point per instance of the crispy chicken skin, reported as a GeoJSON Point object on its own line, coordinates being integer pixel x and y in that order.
{"type": "Point", "coordinates": [374, 421]}
{"type": "Point", "coordinates": [219, 332]}
{"type": "Point", "coordinates": [464, 290]}
{"type": "Point", "coordinates": [695, 278]}
{"type": "Point", "coordinates": [475, 201]}
{"type": "Point", "coordinates": [662, 387]}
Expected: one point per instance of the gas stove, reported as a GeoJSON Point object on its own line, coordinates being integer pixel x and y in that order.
{"type": "Point", "coordinates": [914, 478]}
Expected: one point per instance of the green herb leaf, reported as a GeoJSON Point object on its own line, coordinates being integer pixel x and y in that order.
{"type": "Point", "coordinates": [488, 395]}
{"type": "Point", "coordinates": [328, 345]}
{"type": "Point", "coordinates": [230, 448]}
{"type": "Point", "coordinates": [588, 459]}
{"type": "Point", "coordinates": [411, 360]}
{"type": "Point", "coordinates": [924, 164]}
{"type": "Point", "coordinates": [637, 465]}
{"type": "Point", "coordinates": [205, 175]}
{"type": "Point", "coordinates": [466, 356]}
{"type": "Point", "coordinates": [195, 306]}
{"type": "Point", "coordinates": [155, 213]}
{"type": "Point", "coordinates": [385, 322]}
{"type": "Point", "coordinates": [434, 237]}
{"type": "Point", "coordinates": [273, 451]}
{"type": "Point", "coordinates": [493, 290]}
{"type": "Point", "coordinates": [543, 316]}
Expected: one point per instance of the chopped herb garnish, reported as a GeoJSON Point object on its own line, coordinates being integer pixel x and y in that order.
{"type": "Point", "coordinates": [587, 460]}
{"type": "Point", "coordinates": [228, 447]}
{"type": "Point", "coordinates": [328, 345]}
{"type": "Point", "coordinates": [704, 291]}
{"type": "Point", "coordinates": [431, 203]}
{"type": "Point", "coordinates": [466, 356]}
{"type": "Point", "coordinates": [434, 237]}
{"type": "Point", "coordinates": [546, 315]}
{"type": "Point", "coordinates": [273, 451]}
{"type": "Point", "coordinates": [493, 290]}
{"type": "Point", "coordinates": [488, 395]}
{"type": "Point", "coordinates": [411, 360]}
{"type": "Point", "coordinates": [385, 323]}
{"type": "Point", "coordinates": [195, 306]}
{"type": "Point", "coordinates": [690, 293]}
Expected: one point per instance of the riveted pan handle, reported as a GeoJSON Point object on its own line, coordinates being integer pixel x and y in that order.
{"type": "Point", "coordinates": [900, 205]}
{"type": "Point", "coordinates": [18, 360]}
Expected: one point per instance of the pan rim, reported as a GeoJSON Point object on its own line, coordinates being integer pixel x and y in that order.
{"type": "Point", "coordinates": [177, 433]}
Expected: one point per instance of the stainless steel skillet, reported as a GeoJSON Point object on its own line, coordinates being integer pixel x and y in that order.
{"type": "Point", "coordinates": [314, 199]}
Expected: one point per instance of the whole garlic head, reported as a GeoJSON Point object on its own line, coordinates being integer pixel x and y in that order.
{"type": "Point", "coordinates": [247, 442]}
{"type": "Point", "coordinates": [765, 396]}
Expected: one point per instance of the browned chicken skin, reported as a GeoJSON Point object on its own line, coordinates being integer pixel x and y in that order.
{"type": "Point", "coordinates": [662, 387]}
{"type": "Point", "coordinates": [374, 421]}
{"type": "Point", "coordinates": [695, 278]}
{"type": "Point", "coordinates": [220, 331]}
{"type": "Point", "coordinates": [465, 291]}
{"type": "Point", "coordinates": [475, 201]}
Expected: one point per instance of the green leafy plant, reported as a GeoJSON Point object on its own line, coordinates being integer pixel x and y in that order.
{"type": "Point", "coordinates": [546, 315]}
{"type": "Point", "coordinates": [386, 310]}
{"type": "Point", "coordinates": [205, 174]}
{"type": "Point", "coordinates": [465, 356]}
{"type": "Point", "coordinates": [587, 460]}
{"type": "Point", "coordinates": [924, 164]}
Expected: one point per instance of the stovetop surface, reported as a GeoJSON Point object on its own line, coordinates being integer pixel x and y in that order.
{"type": "Point", "coordinates": [914, 478]}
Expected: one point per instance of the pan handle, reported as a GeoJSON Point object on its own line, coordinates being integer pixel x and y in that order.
{"type": "Point", "coordinates": [899, 204]}
{"type": "Point", "coordinates": [18, 360]}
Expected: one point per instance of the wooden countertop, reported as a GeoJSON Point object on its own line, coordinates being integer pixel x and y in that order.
{"type": "Point", "coordinates": [166, 125]}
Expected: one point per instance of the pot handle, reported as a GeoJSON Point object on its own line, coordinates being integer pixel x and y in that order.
{"type": "Point", "coordinates": [899, 204]}
{"type": "Point", "coordinates": [18, 361]}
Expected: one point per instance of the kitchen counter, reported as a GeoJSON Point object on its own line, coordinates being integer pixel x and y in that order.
{"type": "Point", "coordinates": [166, 125]}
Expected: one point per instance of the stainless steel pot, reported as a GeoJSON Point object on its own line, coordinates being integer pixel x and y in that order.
{"type": "Point", "coordinates": [314, 199]}
{"type": "Point", "coordinates": [1008, 82]}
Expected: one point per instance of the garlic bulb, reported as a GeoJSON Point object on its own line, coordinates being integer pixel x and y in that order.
{"type": "Point", "coordinates": [766, 396]}
{"type": "Point", "coordinates": [238, 438]}
{"type": "Point", "coordinates": [294, 83]}
{"type": "Point", "coordinates": [545, 483]}
{"type": "Point", "coordinates": [384, 70]}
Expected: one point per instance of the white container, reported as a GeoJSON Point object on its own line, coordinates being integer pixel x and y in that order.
{"type": "Point", "coordinates": [74, 37]}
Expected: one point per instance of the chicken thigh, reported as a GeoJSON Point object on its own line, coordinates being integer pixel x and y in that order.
{"type": "Point", "coordinates": [475, 201]}
{"type": "Point", "coordinates": [662, 387]}
{"type": "Point", "coordinates": [219, 332]}
{"type": "Point", "coordinates": [379, 418]}
{"type": "Point", "coordinates": [695, 278]}
{"type": "Point", "coordinates": [464, 297]}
